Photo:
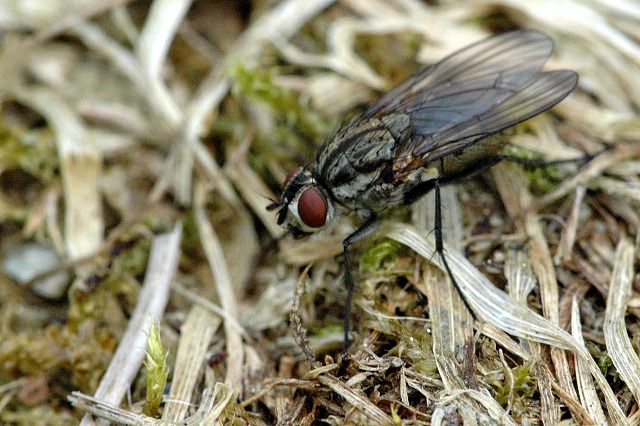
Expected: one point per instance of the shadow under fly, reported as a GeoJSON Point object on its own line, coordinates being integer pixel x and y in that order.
{"type": "Point", "coordinates": [441, 125]}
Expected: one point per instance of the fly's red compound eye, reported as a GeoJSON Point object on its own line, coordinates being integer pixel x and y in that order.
{"type": "Point", "coordinates": [292, 173]}
{"type": "Point", "coordinates": [312, 208]}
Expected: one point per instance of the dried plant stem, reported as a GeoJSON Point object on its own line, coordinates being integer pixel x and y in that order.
{"type": "Point", "coordinates": [222, 281]}
{"type": "Point", "coordinates": [522, 281]}
{"type": "Point", "coordinates": [152, 299]}
{"type": "Point", "coordinates": [586, 389]}
{"type": "Point", "coordinates": [493, 305]}
{"type": "Point", "coordinates": [595, 168]}
{"type": "Point", "coordinates": [618, 343]}
{"type": "Point", "coordinates": [514, 191]}
{"type": "Point", "coordinates": [568, 237]}
{"type": "Point", "coordinates": [195, 337]}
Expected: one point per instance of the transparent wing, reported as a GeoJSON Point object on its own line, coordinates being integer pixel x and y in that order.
{"type": "Point", "coordinates": [543, 91]}
{"type": "Point", "coordinates": [467, 83]}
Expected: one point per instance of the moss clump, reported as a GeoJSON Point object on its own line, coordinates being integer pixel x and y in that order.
{"type": "Point", "coordinates": [524, 386]}
{"type": "Point", "coordinates": [380, 257]}
{"type": "Point", "coordinates": [296, 130]}
{"type": "Point", "coordinates": [30, 151]}
{"type": "Point", "coordinates": [541, 179]}
{"type": "Point", "coordinates": [257, 84]}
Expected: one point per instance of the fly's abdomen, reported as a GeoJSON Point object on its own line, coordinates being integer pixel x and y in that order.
{"type": "Point", "coordinates": [472, 156]}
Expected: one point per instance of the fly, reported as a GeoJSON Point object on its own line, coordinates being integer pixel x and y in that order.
{"type": "Point", "coordinates": [441, 125]}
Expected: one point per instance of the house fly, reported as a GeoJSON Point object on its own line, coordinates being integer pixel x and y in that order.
{"type": "Point", "coordinates": [441, 125]}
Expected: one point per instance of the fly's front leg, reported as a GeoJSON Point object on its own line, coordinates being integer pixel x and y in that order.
{"type": "Point", "coordinates": [369, 225]}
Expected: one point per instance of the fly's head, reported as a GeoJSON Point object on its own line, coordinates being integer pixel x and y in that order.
{"type": "Point", "coordinates": [304, 206]}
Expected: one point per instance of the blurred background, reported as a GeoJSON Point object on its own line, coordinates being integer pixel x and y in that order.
{"type": "Point", "coordinates": [129, 128]}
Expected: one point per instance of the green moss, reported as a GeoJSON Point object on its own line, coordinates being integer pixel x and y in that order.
{"type": "Point", "coordinates": [102, 294]}
{"type": "Point", "coordinates": [30, 151]}
{"type": "Point", "coordinates": [606, 365]}
{"type": "Point", "coordinates": [380, 257]}
{"type": "Point", "coordinates": [38, 416]}
{"type": "Point", "coordinates": [72, 359]}
{"type": "Point", "coordinates": [414, 343]}
{"type": "Point", "coordinates": [327, 329]}
{"type": "Point", "coordinates": [522, 385]}
{"type": "Point", "coordinates": [541, 179]}
{"type": "Point", "coordinates": [257, 84]}
{"type": "Point", "coordinates": [133, 259]}
{"type": "Point", "coordinates": [298, 128]}
{"type": "Point", "coordinates": [524, 388]}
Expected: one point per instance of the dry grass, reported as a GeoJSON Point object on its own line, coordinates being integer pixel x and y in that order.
{"type": "Point", "coordinates": [141, 142]}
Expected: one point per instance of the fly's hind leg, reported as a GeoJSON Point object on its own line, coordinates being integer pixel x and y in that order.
{"type": "Point", "coordinates": [468, 365]}
{"type": "Point", "coordinates": [528, 163]}
{"type": "Point", "coordinates": [440, 247]}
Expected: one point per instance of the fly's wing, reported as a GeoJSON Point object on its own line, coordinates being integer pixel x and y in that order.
{"type": "Point", "coordinates": [467, 83]}
{"type": "Point", "coordinates": [543, 91]}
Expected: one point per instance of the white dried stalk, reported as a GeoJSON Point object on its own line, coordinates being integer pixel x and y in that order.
{"type": "Point", "coordinates": [195, 336]}
{"type": "Point", "coordinates": [629, 8]}
{"type": "Point", "coordinates": [596, 121]}
{"type": "Point", "coordinates": [593, 169]}
{"type": "Point", "coordinates": [224, 288]}
{"type": "Point", "coordinates": [206, 304]}
{"type": "Point", "coordinates": [255, 192]}
{"type": "Point", "coordinates": [343, 62]}
{"type": "Point", "coordinates": [159, 29]}
{"type": "Point", "coordinates": [153, 44]}
{"type": "Point", "coordinates": [279, 23]}
{"type": "Point", "coordinates": [586, 389]}
{"type": "Point", "coordinates": [80, 163]}
{"type": "Point", "coordinates": [619, 345]}
{"type": "Point", "coordinates": [82, 11]}
{"type": "Point", "coordinates": [108, 411]}
{"type": "Point", "coordinates": [568, 236]}
{"type": "Point", "coordinates": [492, 407]}
{"type": "Point", "coordinates": [152, 299]}
{"type": "Point", "coordinates": [577, 18]}
{"type": "Point", "coordinates": [211, 408]}
{"type": "Point", "coordinates": [494, 306]}
{"type": "Point", "coordinates": [51, 215]}
{"type": "Point", "coordinates": [96, 39]}
{"type": "Point", "coordinates": [122, 20]}
{"type": "Point", "coordinates": [450, 315]}
{"type": "Point", "coordinates": [372, 413]}
{"type": "Point", "coordinates": [311, 250]}
{"type": "Point", "coordinates": [521, 281]}
{"type": "Point", "coordinates": [451, 323]}
{"type": "Point", "coordinates": [333, 94]}
{"type": "Point", "coordinates": [513, 189]}
{"type": "Point", "coordinates": [504, 340]}
{"type": "Point", "coordinates": [617, 188]}
{"type": "Point", "coordinates": [221, 398]}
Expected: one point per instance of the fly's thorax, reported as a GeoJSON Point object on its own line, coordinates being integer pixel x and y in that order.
{"type": "Point", "coordinates": [353, 163]}
{"type": "Point", "coordinates": [306, 206]}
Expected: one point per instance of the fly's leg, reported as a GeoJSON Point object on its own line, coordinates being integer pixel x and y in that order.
{"type": "Point", "coordinates": [363, 231]}
{"type": "Point", "coordinates": [469, 358]}
{"type": "Point", "coordinates": [440, 247]}
{"type": "Point", "coordinates": [537, 164]}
